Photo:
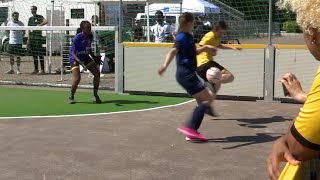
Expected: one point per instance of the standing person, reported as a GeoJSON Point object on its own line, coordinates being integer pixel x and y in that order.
{"type": "Point", "coordinates": [97, 44]}
{"type": "Point", "coordinates": [35, 40]}
{"type": "Point", "coordinates": [200, 28]}
{"type": "Point", "coordinates": [185, 51]}
{"type": "Point", "coordinates": [15, 42]}
{"type": "Point", "coordinates": [205, 60]}
{"type": "Point", "coordinates": [161, 31]}
{"type": "Point", "coordinates": [79, 55]}
{"type": "Point", "coordinates": [4, 23]}
{"type": "Point", "coordinates": [95, 20]}
{"type": "Point", "coordinates": [138, 32]}
{"type": "Point", "coordinates": [302, 140]}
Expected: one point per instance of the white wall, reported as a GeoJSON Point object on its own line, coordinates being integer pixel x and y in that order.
{"type": "Point", "coordinates": [141, 65]}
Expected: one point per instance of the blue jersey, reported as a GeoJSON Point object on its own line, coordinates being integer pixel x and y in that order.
{"type": "Point", "coordinates": [81, 46]}
{"type": "Point", "coordinates": [187, 64]}
{"type": "Point", "coordinates": [186, 51]}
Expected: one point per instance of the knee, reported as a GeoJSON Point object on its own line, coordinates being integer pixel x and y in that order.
{"type": "Point", "coordinates": [209, 99]}
{"type": "Point", "coordinates": [230, 77]}
{"type": "Point", "coordinates": [96, 74]}
{"type": "Point", "coordinates": [77, 80]}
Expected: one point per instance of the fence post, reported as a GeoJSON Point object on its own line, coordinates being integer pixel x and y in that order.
{"type": "Point", "coordinates": [269, 62]}
{"type": "Point", "coordinates": [269, 69]}
{"type": "Point", "coordinates": [119, 80]}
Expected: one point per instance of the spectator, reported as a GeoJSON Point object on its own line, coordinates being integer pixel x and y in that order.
{"type": "Point", "coordinates": [15, 42]}
{"type": "Point", "coordinates": [35, 40]}
{"type": "Point", "coordinates": [302, 141]}
{"type": "Point", "coordinates": [138, 32]}
{"type": "Point", "coordinates": [94, 20]}
{"type": "Point", "coordinates": [162, 31]}
{"type": "Point", "coordinates": [201, 28]}
{"type": "Point", "coordinates": [4, 23]}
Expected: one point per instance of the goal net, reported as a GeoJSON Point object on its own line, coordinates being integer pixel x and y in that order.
{"type": "Point", "coordinates": [48, 46]}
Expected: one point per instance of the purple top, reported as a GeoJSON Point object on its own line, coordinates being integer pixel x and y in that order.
{"type": "Point", "coordinates": [81, 46]}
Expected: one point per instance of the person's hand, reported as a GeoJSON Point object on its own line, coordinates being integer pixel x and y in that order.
{"type": "Point", "coordinates": [236, 48]}
{"type": "Point", "coordinates": [84, 66]}
{"type": "Point", "coordinates": [279, 153]}
{"type": "Point", "coordinates": [293, 86]}
{"type": "Point", "coordinates": [162, 69]}
{"type": "Point", "coordinates": [212, 50]}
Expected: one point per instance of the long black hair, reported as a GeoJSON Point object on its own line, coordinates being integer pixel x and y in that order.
{"type": "Point", "coordinates": [82, 25]}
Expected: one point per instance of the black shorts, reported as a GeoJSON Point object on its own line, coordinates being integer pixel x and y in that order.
{"type": "Point", "coordinates": [16, 49]}
{"type": "Point", "coordinates": [75, 64]}
{"type": "Point", "coordinates": [189, 80]}
{"type": "Point", "coordinates": [36, 49]}
{"type": "Point", "coordinates": [202, 70]}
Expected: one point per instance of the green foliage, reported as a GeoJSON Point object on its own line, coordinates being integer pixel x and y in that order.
{"type": "Point", "coordinates": [291, 27]}
{"type": "Point", "coordinates": [253, 9]}
{"type": "Point", "coordinates": [259, 10]}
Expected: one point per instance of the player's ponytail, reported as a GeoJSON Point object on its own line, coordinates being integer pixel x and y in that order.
{"type": "Point", "coordinates": [185, 18]}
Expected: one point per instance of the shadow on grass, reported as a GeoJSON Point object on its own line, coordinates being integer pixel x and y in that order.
{"type": "Point", "coordinates": [121, 102]}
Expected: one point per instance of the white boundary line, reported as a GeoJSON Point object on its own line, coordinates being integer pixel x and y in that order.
{"type": "Point", "coordinates": [94, 114]}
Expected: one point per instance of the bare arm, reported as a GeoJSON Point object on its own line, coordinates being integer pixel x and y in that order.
{"type": "Point", "coordinates": [207, 48]}
{"type": "Point", "coordinates": [294, 88]}
{"type": "Point", "coordinates": [221, 46]}
{"type": "Point", "coordinates": [173, 52]}
{"type": "Point", "coordinates": [44, 22]}
{"type": "Point", "coordinates": [91, 53]}
{"type": "Point", "coordinates": [299, 151]}
{"type": "Point", "coordinates": [287, 149]}
{"type": "Point", "coordinates": [75, 56]}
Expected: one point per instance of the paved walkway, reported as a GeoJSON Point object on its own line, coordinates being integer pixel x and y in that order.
{"type": "Point", "coordinates": [144, 145]}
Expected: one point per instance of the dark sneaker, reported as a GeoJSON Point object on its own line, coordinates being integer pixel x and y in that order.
{"type": "Point", "coordinates": [35, 72]}
{"type": "Point", "coordinates": [71, 100]}
{"type": "Point", "coordinates": [96, 99]}
{"type": "Point", "coordinates": [211, 112]}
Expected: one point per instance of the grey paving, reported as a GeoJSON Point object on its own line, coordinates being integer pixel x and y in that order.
{"type": "Point", "coordinates": [144, 145]}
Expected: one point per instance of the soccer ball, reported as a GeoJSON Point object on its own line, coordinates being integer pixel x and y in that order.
{"type": "Point", "coordinates": [213, 75]}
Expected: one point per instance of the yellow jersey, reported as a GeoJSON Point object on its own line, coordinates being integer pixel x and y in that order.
{"type": "Point", "coordinates": [208, 39]}
{"type": "Point", "coordinates": [306, 127]}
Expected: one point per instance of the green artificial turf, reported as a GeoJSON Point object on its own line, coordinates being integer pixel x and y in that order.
{"type": "Point", "coordinates": [30, 102]}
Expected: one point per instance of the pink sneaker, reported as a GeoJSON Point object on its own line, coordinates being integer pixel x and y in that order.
{"type": "Point", "coordinates": [199, 138]}
{"type": "Point", "coordinates": [191, 133]}
{"type": "Point", "coordinates": [189, 138]}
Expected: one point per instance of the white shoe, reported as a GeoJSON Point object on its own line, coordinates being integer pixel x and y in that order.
{"type": "Point", "coordinates": [10, 71]}
{"type": "Point", "coordinates": [41, 72]}
{"type": "Point", "coordinates": [18, 71]}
